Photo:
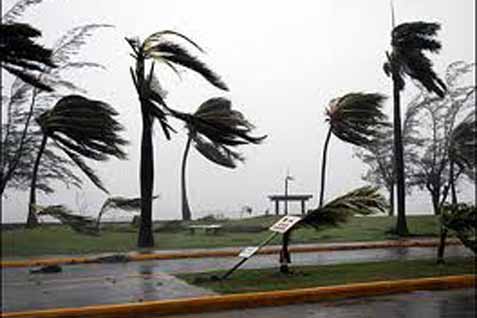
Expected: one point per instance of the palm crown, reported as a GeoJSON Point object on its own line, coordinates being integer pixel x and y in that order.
{"type": "Point", "coordinates": [408, 41]}
{"type": "Point", "coordinates": [463, 144]}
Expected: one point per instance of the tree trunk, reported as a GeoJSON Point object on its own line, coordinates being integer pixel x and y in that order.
{"type": "Point", "coordinates": [442, 245]}
{"type": "Point", "coordinates": [186, 214]}
{"type": "Point", "coordinates": [391, 201]}
{"type": "Point", "coordinates": [146, 174]}
{"type": "Point", "coordinates": [435, 203]}
{"type": "Point", "coordinates": [323, 167]}
{"type": "Point", "coordinates": [401, 226]}
{"type": "Point", "coordinates": [452, 183]}
{"type": "Point", "coordinates": [285, 254]}
{"type": "Point", "coordinates": [32, 219]}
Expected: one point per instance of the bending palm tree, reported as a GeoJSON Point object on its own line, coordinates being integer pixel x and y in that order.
{"type": "Point", "coordinates": [355, 118]}
{"type": "Point", "coordinates": [80, 127]}
{"type": "Point", "coordinates": [213, 129]}
{"type": "Point", "coordinates": [158, 48]}
{"type": "Point", "coordinates": [364, 201]}
{"type": "Point", "coordinates": [408, 41]}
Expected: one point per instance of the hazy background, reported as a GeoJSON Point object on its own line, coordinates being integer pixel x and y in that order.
{"type": "Point", "coordinates": [283, 61]}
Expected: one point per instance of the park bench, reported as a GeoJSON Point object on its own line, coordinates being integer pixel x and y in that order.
{"type": "Point", "coordinates": [210, 228]}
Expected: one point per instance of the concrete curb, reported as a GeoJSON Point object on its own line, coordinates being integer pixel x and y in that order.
{"type": "Point", "coordinates": [225, 253]}
{"type": "Point", "coordinates": [250, 300]}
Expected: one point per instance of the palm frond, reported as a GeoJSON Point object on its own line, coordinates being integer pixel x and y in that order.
{"type": "Point", "coordinates": [462, 219]}
{"type": "Point", "coordinates": [364, 201]}
{"type": "Point", "coordinates": [217, 153]}
{"type": "Point", "coordinates": [78, 223]}
{"type": "Point", "coordinates": [122, 203]}
{"type": "Point", "coordinates": [17, 10]}
{"type": "Point", "coordinates": [357, 118]}
{"type": "Point", "coordinates": [463, 143]}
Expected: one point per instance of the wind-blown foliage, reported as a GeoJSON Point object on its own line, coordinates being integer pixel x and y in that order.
{"type": "Point", "coordinates": [463, 144]}
{"type": "Point", "coordinates": [409, 41]}
{"type": "Point", "coordinates": [121, 203]}
{"type": "Point", "coordinates": [22, 57]}
{"type": "Point", "coordinates": [81, 128]}
{"type": "Point", "coordinates": [215, 128]}
{"type": "Point", "coordinates": [356, 118]}
{"type": "Point", "coordinates": [78, 223]}
{"type": "Point", "coordinates": [462, 220]}
{"type": "Point", "coordinates": [160, 47]}
{"type": "Point", "coordinates": [22, 136]}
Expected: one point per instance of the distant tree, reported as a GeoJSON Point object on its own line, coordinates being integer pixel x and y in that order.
{"type": "Point", "coordinates": [157, 47]}
{"type": "Point", "coordinates": [355, 118]}
{"type": "Point", "coordinates": [214, 129]}
{"type": "Point", "coordinates": [81, 128]}
{"type": "Point", "coordinates": [437, 120]}
{"type": "Point", "coordinates": [408, 41]}
{"type": "Point", "coordinates": [22, 136]}
{"type": "Point", "coordinates": [363, 201]}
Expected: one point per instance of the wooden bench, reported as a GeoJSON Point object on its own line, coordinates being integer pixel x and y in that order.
{"type": "Point", "coordinates": [212, 228]}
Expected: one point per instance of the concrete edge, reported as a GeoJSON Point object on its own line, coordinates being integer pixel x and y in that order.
{"type": "Point", "coordinates": [258, 299]}
{"type": "Point", "coordinates": [224, 253]}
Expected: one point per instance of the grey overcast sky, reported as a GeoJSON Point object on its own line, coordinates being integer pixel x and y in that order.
{"type": "Point", "coordinates": [283, 60]}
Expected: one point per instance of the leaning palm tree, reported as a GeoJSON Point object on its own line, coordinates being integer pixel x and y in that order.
{"type": "Point", "coordinates": [355, 118]}
{"type": "Point", "coordinates": [80, 127]}
{"type": "Point", "coordinates": [409, 41]}
{"type": "Point", "coordinates": [22, 57]}
{"type": "Point", "coordinates": [462, 150]}
{"type": "Point", "coordinates": [158, 47]}
{"type": "Point", "coordinates": [214, 129]}
{"type": "Point", "coordinates": [363, 201]}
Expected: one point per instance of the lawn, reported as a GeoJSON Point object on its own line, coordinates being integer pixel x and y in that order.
{"type": "Point", "coordinates": [57, 239]}
{"type": "Point", "coordinates": [326, 275]}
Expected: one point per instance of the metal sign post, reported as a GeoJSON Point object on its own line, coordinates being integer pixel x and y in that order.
{"type": "Point", "coordinates": [280, 227]}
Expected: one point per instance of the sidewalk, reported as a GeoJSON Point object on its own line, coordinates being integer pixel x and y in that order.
{"type": "Point", "coordinates": [217, 252]}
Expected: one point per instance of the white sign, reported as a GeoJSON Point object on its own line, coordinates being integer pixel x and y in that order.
{"type": "Point", "coordinates": [285, 223]}
{"type": "Point", "coordinates": [248, 251]}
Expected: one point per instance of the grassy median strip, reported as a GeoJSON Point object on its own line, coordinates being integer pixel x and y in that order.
{"type": "Point", "coordinates": [256, 280]}
{"type": "Point", "coordinates": [57, 239]}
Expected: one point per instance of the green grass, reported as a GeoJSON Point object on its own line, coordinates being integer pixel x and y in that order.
{"type": "Point", "coordinates": [326, 275]}
{"type": "Point", "coordinates": [56, 239]}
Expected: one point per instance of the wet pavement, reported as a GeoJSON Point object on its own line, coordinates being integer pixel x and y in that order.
{"type": "Point", "coordinates": [92, 284]}
{"type": "Point", "coordinates": [458, 303]}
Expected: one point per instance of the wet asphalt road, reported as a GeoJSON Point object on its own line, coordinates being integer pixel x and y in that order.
{"type": "Point", "coordinates": [459, 303]}
{"type": "Point", "coordinates": [92, 284]}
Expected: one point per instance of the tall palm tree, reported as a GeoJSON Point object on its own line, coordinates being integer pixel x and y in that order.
{"type": "Point", "coordinates": [409, 41]}
{"type": "Point", "coordinates": [363, 201]}
{"type": "Point", "coordinates": [213, 129]}
{"type": "Point", "coordinates": [462, 150]}
{"type": "Point", "coordinates": [158, 47]}
{"type": "Point", "coordinates": [355, 118]}
{"type": "Point", "coordinates": [22, 57]}
{"type": "Point", "coordinates": [80, 127]}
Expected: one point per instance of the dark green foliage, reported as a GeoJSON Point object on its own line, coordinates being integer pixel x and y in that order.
{"type": "Point", "coordinates": [21, 56]}
{"type": "Point", "coordinates": [84, 128]}
{"type": "Point", "coordinates": [461, 219]}
{"type": "Point", "coordinates": [408, 41]}
{"type": "Point", "coordinates": [463, 143]}
{"type": "Point", "coordinates": [356, 117]}
{"type": "Point", "coordinates": [364, 201]}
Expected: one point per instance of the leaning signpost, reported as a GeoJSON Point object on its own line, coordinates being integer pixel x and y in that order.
{"type": "Point", "coordinates": [281, 227]}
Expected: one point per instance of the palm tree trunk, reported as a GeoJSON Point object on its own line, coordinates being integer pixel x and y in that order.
{"type": "Point", "coordinates": [323, 167]}
{"type": "Point", "coordinates": [146, 174]}
{"type": "Point", "coordinates": [32, 220]}
{"type": "Point", "coordinates": [285, 254]}
{"type": "Point", "coordinates": [401, 226]}
{"type": "Point", "coordinates": [186, 214]}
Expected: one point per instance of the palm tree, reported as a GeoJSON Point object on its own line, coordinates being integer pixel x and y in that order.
{"type": "Point", "coordinates": [363, 201]}
{"type": "Point", "coordinates": [157, 47]}
{"type": "Point", "coordinates": [214, 128]}
{"type": "Point", "coordinates": [22, 57]}
{"type": "Point", "coordinates": [355, 118]}
{"type": "Point", "coordinates": [462, 150]}
{"type": "Point", "coordinates": [80, 127]}
{"type": "Point", "coordinates": [409, 41]}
